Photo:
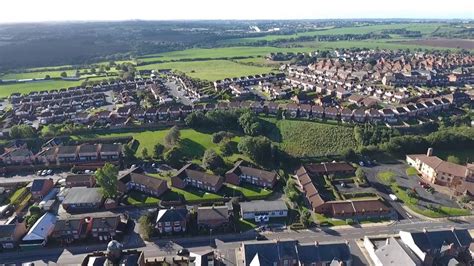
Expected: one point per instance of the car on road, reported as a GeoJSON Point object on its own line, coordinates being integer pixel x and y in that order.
{"type": "Point", "coordinates": [393, 197]}
{"type": "Point", "coordinates": [260, 237]}
{"type": "Point", "coordinates": [183, 252]}
{"type": "Point", "coordinates": [49, 171]}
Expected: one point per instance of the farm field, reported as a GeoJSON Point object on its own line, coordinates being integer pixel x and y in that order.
{"type": "Point", "coordinates": [369, 44]}
{"type": "Point", "coordinates": [7, 89]}
{"type": "Point", "coordinates": [32, 75]}
{"type": "Point", "coordinates": [426, 28]}
{"type": "Point", "coordinates": [312, 139]}
{"type": "Point", "coordinates": [227, 52]}
{"type": "Point", "coordinates": [438, 42]}
{"type": "Point", "coordinates": [27, 87]}
{"type": "Point", "coordinates": [211, 70]}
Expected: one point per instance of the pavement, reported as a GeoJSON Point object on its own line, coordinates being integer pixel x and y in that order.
{"type": "Point", "coordinates": [226, 243]}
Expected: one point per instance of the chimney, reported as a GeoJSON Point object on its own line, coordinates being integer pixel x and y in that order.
{"type": "Point", "coordinates": [429, 152]}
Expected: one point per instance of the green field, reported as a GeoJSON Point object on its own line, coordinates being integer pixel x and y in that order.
{"type": "Point", "coordinates": [194, 143]}
{"type": "Point", "coordinates": [32, 75]}
{"type": "Point", "coordinates": [6, 90]}
{"type": "Point", "coordinates": [313, 139]}
{"type": "Point", "coordinates": [425, 28]}
{"type": "Point", "coordinates": [211, 70]}
{"type": "Point", "coordinates": [227, 52]}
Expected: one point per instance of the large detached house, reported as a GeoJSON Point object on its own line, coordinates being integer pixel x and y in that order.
{"type": "Point", "coordinates": [242, 173]}
{"type": "Point", "coordinates": [190, 175]}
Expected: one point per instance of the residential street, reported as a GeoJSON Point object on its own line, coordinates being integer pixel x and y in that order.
{"type": "Point", "coordinates": [74, 255]}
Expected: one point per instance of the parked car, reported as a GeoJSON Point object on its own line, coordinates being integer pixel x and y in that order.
{"type": "Point", "coordinates": [260, 237]}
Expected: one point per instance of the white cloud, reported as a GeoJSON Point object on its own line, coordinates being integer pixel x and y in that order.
{"type": "Point", "coordinates": [58, 10]}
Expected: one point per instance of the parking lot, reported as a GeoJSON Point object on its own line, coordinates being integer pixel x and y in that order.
{"type": "Point", "coordinates": [425, 198]}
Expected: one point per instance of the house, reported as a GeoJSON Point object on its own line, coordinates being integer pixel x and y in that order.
{"type": "Point", "coordinates": [190, 175]}
{"type": "Point", "coordinates": [360, 115]}
{"type": "Point", "coordinates": [66, 154]}
{"type": "Point", "coordinates": [11, 234]}
{"type": "Point", "coordinates": [110, 152]}
{"type": "Point", "coordinates": [212, 217]}
{"type": "Point", "coordinates": [436, 171]}
{"type": "Point", "coordinates": [106, 226]}
{"type": "Point", "coordinates": [390, 251]}
{"type": "Point", "coordinates": [68, 230]}
{"type": "Point", "coordinates": [240, 172]}
{"type": "Point", "coordinates": [82, 180]}
{"type": "Point", "coordinates": [38, 234]}
{"type": "Point", "coordinates": [88, 152]}
{"type": "Point", "coordinates": [144, 183]}
{"type": "Point", "coordinates": [445, 247]}
{"type": "Point", "coordinates": [262, 210]}
{"type": "Point", "coordinates": [82, 199]}
{"type": "Point", "coordinates": [20, 156]}
{"type": "Point", "coordinates": [171, 220]}
{"type": "Point", "coordinates": [40, 188]}
{"type": "Point", "coordinates": [330, 168]}
{"type": "Point", "coordinates": [290, 252]}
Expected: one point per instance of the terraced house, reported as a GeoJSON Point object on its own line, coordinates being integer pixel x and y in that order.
{"type": "Point", "coordinates": [242, 173]}
{"type": "Point", "coordinates": [191, 175]}
{"type": "Point", "coordinates": [144, 183]}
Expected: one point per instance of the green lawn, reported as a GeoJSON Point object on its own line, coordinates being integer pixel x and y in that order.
{"type": "Point", "coordinates": [137, 198]}
{"type": "Point", "coordinates": [14, 197]}
{"type": "Point", "coordinates": [190, 195]}
{"type": "Point", "coordinates": [211, 70]}
{"type": "Point", "coordinates": [323, 220]}
{"type": "Point", "coordinates": [385, 176]}
{"type": "Point", "coordinates": [194, 143]}
{"type": "Point", "coordinates": [246, 190]}
{"type": "Point", "coordinates": [411, 171]}
{"type": "Point", "coordinates": [311, 139]}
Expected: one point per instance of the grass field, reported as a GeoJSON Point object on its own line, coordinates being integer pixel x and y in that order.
{"type": "Point", "coordinates": [194, 143]}
{"type": "Point", "coordinates": [312, 139]}
{"type": "Point", "coordinates": [212, 69]}
{"type": "Point", "coordinates": [425, 28]}
{"type": "Point", "coordinates": [411, 171]}
{"type": "Point", "coordinates": [242, 51]}
{"type": "Point", "coordinates": [7, 90]}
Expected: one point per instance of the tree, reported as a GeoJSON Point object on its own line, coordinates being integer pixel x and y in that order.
{"type": "Point", "coordinates": [47, 77]}
{"type": "Point", "coordinates": [259, 149]}
{"type": "Point", "coordinates": [145, 154]}
{"type": "Point", "coordinates": [173, 156]}
{"type": "Point", "coordinates": [453, 159]}
{"type": "Point", "coordinates": [35, 213]}
{"type": "Point", "coordinates": [305, 217]}
{"type": "Point", "coordinates": [128, 153]}
{"type": "Point", "coordinates": [211, 160]}
{"type": "Point", "coordinates": [63, 74]}
{"type": "Point", "coordinates": [107, 179]}
{"type": "Point", "coordinates": [146, 228]}
{"type": "Point", "coordinates": [411, 193]}
{"type": "Point", "coordinates": [227, 148]}
{"type": "Point", "coordinates": [172, 138]}
{"type": "Point", "coordinates": [250, 123]}
{"type": "Point", "coordinates": [158, 150]}
{"type": "Point", "coordinates": [360, 173]}
{"type": "Point", "coordinates": [349, 155]}
{"type": "Point", "coordinates": [22, 132]}
{"type": "Point", "coordinates": [93, 70]}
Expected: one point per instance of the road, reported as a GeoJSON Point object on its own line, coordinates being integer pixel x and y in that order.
{"type": "Point", "coordinates": [75, 255]}
{"type": "Point", "coordinates": [371, 174]}
{"type": "Point", "coordinates": [173, 89]}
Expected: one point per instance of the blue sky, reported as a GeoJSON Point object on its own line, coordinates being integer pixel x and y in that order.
{"type": "Point", "coordinates": [65, 10]}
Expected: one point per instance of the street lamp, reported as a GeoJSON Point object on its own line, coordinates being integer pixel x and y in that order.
{"type": "Point", "coordinates": [210, 233]}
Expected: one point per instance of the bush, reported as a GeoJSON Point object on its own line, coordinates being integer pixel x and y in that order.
{"type": "Point", "coordinates": [221, 135]}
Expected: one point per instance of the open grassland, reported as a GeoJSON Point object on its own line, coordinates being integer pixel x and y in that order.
{"type": "Point", "coordinates": [226, 52]}
{"type": "Point", "coordinates": [7, 89]}
{"type": "Point", "coordinates": [212, 69]}
{"type": "Point", "coordinates": [390, 44]}
{"type": "Point", "coordinates": [313, 139]}
{"type": "Point", "coordinates": [425, 28]}
{"type": "Point", "coordinates": [193, 143]}
{"type": "Point", "coordinates": [27, 87]}
{"type": "Point", "coordinates": [33, 75]}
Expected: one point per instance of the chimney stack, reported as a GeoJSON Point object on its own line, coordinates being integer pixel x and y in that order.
{"type": "Point", "coordinates": [429, 152]}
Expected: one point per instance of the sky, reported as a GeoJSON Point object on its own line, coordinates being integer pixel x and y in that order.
{"type": "Point", "coordinates": [84, 10]}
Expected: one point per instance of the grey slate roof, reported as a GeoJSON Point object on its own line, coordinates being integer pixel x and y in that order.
{"type": "Point", "coordinates": [83, 195]}
{"type": "Point", "coordinates": [263, 205]}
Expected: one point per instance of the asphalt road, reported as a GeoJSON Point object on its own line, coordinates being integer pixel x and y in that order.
{"type": "Point", "coordinates": [75, 255]}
